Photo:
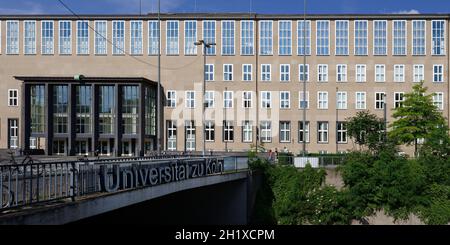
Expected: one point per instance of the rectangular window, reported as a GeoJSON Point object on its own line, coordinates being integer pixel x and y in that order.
{"type": "Point", "coordinates": [266, 99]}
{"type": "Point", "coordinates": [438, 41]}
{"type": "Point", "coordinates": [285, 100]}
{"type": "Point", "coordinates": [47, 37]}
{"type": "Point", "coordinates": [190, 99]}
{"type": "Point", "coordinates": [266, 131]}
{"type": "Point", "coordinates": [172, 35]}
{"type": "Point", "coordinates": [228, 72]}
{"type": "Point", "coordinates": [303, 37]}
{"type": "Point", "coordinates": [118, 37]}
{"type": "Point", "coordinates": [285, 73]}
{"type": "Point", "coordinates": [101, 33]}
{"type": "Point", "coordinates": [285, 132]}
{"type": "Point", "coordinates": [438, 100]}
{"type": "Point", "coordinates": [341, 128]}
{"type": "Point", "coordinates": [284, 37]}
{"type": "Point", "coordinates": [341, 73]}
{"type": "Point", "coordinates": [341, 37]}
{"type": "Point", "coordinates": [209, 72]}
{"type": "Point", "coordinates": [136, 38]}
{"type": "Point", "coordinates": [303, 73]}
{"type": "Point", "coordinates": [29, 37]}
{"type": "Point", "coordinates": [419, 73]}
{"type": "Point", "coordinates": [247, 131]}
{"type": "Point", "coordinates": [209, 131]}
{"type": "Point", "coordinates": [379, 37]}
{"type": "Point", "coordinates": [60, 109]}
{"type": "Point", "coordinates": [361, 36]}
{"type": "Point", "coordinates": [266, 37]}
{"type": "Point", "coordinates": [438, 73]}
{"type": "Point", "coordinates": [209, 35]}
{"type": "Point", "coordinates": [323, 37]}
{"type": "Point", "coordinates": [246, 72]}
{"type": "Point", "coordinates": [171, 135]}
{"type": "Point", "coordinates": [247, 37]}
{"type": "Point", "coordinates": [153, 36]}
{"type": "Point", "coordinates": [322, 73]}
{"type": "Point", "coordinates": [398, 99]}
{"type": "Point", "coordinates": [228, 99]}
{"type": "Point", "coordinates": [303, 132]}
{"type": "Point", "coordinates": [107, 109]}
{"type": "Point", "coordinates": [341, 100]}
{"type": "Point", "coordinates": [266, 72]}
{"type": "Point", "coordinates": [399, 37]}
{"type": "Point", "coordinates": [322, 100]}
{"type": "Point", "coordinates": [189, 128]}
{"type": "Point", "coordinates": [65, 37]}
{"type": "Point", "coordinates": [228, 131]}
{"type": "Point", "coordinates": [171, 99]}
{"type": "Point", "coordinates": [399, 73]}
{"type": "Point", "coordinates": [13, 97]}
{"type": "Point", "coordinates": [380, 100]}
{"type": "Point", "coordinates": [247, 99]}
{"type": "Point", "coordinates": [209, 99]}
{"type": "Point", "coordinates": [322, 132]}
{"type": "Point", "coordinates": [12, 37]}
{"type": "Point", "coordinates": [380, 73]}
{"type": "Point", "coordinates": [360, 100]}
{"type": "Point", "coordinates": [302, 101]}
{"type": "Point", "coordinates": [360, 73]}
{"type": "Point", "coordinates": [418, 37]}
{"type": "Point", "coordinates": [228, 37]}
{"type": "Point", "coordinates": [190, 37]}
{"type": "Point", "coordinates": [83, 108]}
{"type": "Point", "coordinates": [13, 125]}
{"type": "Point", "coordinates": [82, 37]}
{"type": "Point", "coordinates": [130, 107]}
{"type": "Point", "coordinates": [37, 108]}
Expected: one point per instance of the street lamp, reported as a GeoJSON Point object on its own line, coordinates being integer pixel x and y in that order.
{"type": "Point", "coordinates": [205, 45]}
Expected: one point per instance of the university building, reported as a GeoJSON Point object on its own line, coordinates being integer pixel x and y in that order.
{"type": "Point", "coordinates": [80, 84]}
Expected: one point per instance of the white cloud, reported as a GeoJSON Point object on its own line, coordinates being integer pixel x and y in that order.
{"type": "Point", "coordinates": [412, 11]}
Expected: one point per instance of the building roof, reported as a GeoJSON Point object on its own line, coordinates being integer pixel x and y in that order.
{"type": "Point", "coordinates": [57, 79]}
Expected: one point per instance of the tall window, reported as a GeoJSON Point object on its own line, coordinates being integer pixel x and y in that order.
{"type": "Point", "coordinates": [285, 72]}
{"type": "Point", "coordinates": [189, 128]}
{"type": "Point", "coordinates": [83, 108]}
{"type": "Point", "coordinates": [341, 100]}
{"type": "Point", "coordinates": [266, 99]}
{"type": "Point", "coordinates": [418, 37]}
{"type": "Point", "coordinates": [60, 108]}
{"type": "Point", "coordinates": [153, 35]}
{"type": "Point", "coordinates": [209, 99]}
{"type": "Point", "coordinates": [303, 131]}
{"type": "Point", "coordinates": [130, 109]}
{"type": "Point", "coordinates": [266, 72]}
{"type": "Point", "coordinates": [82, 37]}
{"type": "Point", "coordinates": [228, 99]}
{"type": "Point", "coordinates": [13, 97]}
{"type": "Point", "coordinates": [209, 72]}
{"type": "Point", "coordinates": [101, 32]}
{"type": "Point", "coordinates": [136, 38]}
{"type": "Point", "coordinates": [360, 73]}
{"type": "Point", "coordinates": [379, 100]}
{"type": "Point", "coordinates": [172, 35]}
{"type": "Point", "coordinates": [190, 99]}
{"type": "Point", "coordinates": [322, 100]}
{"type": "Point", "coordinates": [47, 37]}
{"type": "Point", "coordinates": [284, 37]}
{"type": "Point", "coordinates": [190, 37]}
{"type": "Point", "coordinates": [341, 73]}
{"type": "Point", "coordinates": [228, 131]}
{"type": "Point", "coordinates": [322, 73]}
{"type": "Point", "coordinates": [360, 100]}
{"type": "Point", "coordinates": [323, 37]}
{"type": "Point", "coordinates": [303, 74]}
{"type": "Point", "coordinates": [228, 72]}
{"type": "Point", "coordinates": [12, 37]}
{"type": "Point", "coordinates": [171, 135]}
{"type": "Point", "coordinates": [438, 41]}
{"type": "Point", "coordinates": [266, 37]}
{"type": "Point", "coordinates": [247, 37]}
{"type": "Point", "coordinates": [247, 131]}
{"type": "Point", "coordinates": [303, 101]}
{"type": "Point", "coordinates": [380, 73]}
{"type": "Point", "coordinates": [13, 125]}
{"type": "Point", "coordinates": [341, 37]}
{"type": "Point", "coordinates": [246, 72]}
{"type": "Point", "coordinates": [361, 35]}
{"type": "Point", "coordinates": [171, 98]}
{"type": "Point", "coordinates": [30, 37]}
{"type": "Point", "coordinates": [285, 100]}
{"type": "Point", "coordinates": [438, 73]}
{"type": "Point", "coordinates": [65, 37]}
{"type": "Point", "coordinates": [380, 37]}
{"type": "Point", "coordinates": [438, 100]}
{"type": "Point", "coordinates": [118, 37]}
{"type": "Point", "coordinates": [209, 131]}
{"type": "Point", "coordinates": [266, 131]}
{"type": "Point", "coordinates": [247, 99]}
{"type": "Point", "coordinates": [285, 132]}
{"type": "Point", "coordinates": [209, 35]}
{"type": "Point", "coordinates": [322, 132]}
{"type": "Point", "coordinates": [37, 108]}
{"type": "Point", "coordinates": [341, 128]}
{"type": "Point", "coordinates": [303, 37]}
{"type": "Point", "coordinates": [419, 73]}
{"type": "Point", "coordinates": [399, 73]}
{"type": "Point", "coordinates": [398, 99]}
{"type": "Point", "coordinates": [228, 37]}
{"type": "Point", "coordinates": [399, 37]}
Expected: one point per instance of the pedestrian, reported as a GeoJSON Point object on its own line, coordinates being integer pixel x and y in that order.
{"type": "Point", "coordinates": [276, 155]}
{"type": "Point", "coordinates": [270, 156]}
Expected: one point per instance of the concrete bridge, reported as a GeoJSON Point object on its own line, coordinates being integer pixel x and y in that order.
{"type": "Point", "coordinates": [169, 190]}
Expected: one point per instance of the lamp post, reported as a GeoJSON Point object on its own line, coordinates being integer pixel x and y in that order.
{"type": "Point", "coordinates": [304, 79]}
{"type": "Point", "coordinates": [205, 45]}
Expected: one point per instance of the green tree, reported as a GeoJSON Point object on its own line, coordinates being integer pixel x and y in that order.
{"type": "Point", "coordinates": [416, 118]}
{"type": "Point", "coordinates": [366, 129]}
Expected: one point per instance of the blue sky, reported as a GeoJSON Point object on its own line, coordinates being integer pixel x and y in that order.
{"type": "Point", "coordinates": [259, 6]}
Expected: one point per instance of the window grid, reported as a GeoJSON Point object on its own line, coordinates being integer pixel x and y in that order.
{"type": "Point", "coordinates": [190, 99]}
{"type": "Point", "coordinates": [228, 37]}
{"type": "Point", "coordinates": [190, 37]}
{"type": "Point", "coordinates": [438, 100]}
{"type": "Point", "coordinates": [13, 97]}
{"type": "Point", "coordinates": [322, 100]}
{"type": "Point", "coordinates": [380, 100]}
{"type": "Point", "coordinates": [361, 36]}
{"type": "Point", "coordinates": [266, 131]}
{"type": "Point", "coordinates": [247, 37]}
{"type": "Point", "coordinates": [171, 99]}
{"type": "Point", "coordinates": [399, 73]}
{"type": "Point", "coordinates": [285, 132]}
{"type": "Point", "coordinates": [438, 39]}
{"type": "Point", "coordinates": [228, 99]}
{"type": "Point", "coordinates": [153, 35]}
{"type": "Point", "coordinates": [302, 101]}
{"type": "Point", "coordinates": [304, 73]}
{"type": "Point", "coordinates": [209, 99]}
{"type": "Point", "coordinates": [342, 35]}
{"type": "Point", "coordinates": [323, 37]}
{"type": "Point", "coordinates": [118, 37]}
{"type": "Point", "coordinates": [247, 131]}
{"type": "Point", "coordinates": [136, 38]}
{"type": "Point", "coordinates": [303, 132]}
{"type": "Point", "coordinates": [341, 73]}
{"type": "Point", "coordinates": [380, 73]}
{"type": "Point", "coordinates": [285, 100]}
{"type": "Point", "coordinates": [360, 73]}
{"type": "Point", "coordinates": [341, 128]}
{"type": "Point", "coordinates": [438, 73]}
{"type": "Point", "coordinates": [266, 37]}
{"type": "Point", "coordinates": [228, 131]}
{"type": "Point", "coordinates": [266, 99]}
{"type": "Point", "coordinates": [285, 72]}
{"type": "Point", "coordinates": [29, 37]}
{"type": "Point", "coordinates": [171, 135]}
{"type": "Point", "coordinates": [285, 37]}
{"type": "Point", "coordinates": [322, 132]}
{"type": "Point", "coordinates": [246, 72]}
{"type": "Point", "coordinates": [228, 72]}
{"type": "Point", "coordinates": [380, 37]}
{"type": "Point", "coordinates": [82, 37]}
{"type": "Point", "coordinates": [301, 39]}
{"type": "Point", "coordinates": [172, 36]}
{"type": "Point", "coordinates": [101, 33]}
{"type": "Point", "coordinates": [209, 35]}
{"type": "Point", "coordinates": [341, 100]}
{"type": "Point", "coordinates": [266, 72]}
{"type": "Point", "coordinates": [398, 99]}
{"type": "Point", "coordinates": [360, 100]}
{"type": "Point", "coordinates": [12, 37]}
{"type": "Point", "coordinates": [209, 72]}
{"type": "Point", "coordinates": [209, 131]}
{"type": "Point", "coordinates": [322, 73]}
{"type": "Point", "coordinates": [247, 99]}
{"type": "Point", "coordinates": [419, 73]}
{"type": "Point", "coordinates": [47, 37]}
{"type": "Point", "coordinates": [418, 37]}
{"type": "Point", "coordinates": [399, 37]}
